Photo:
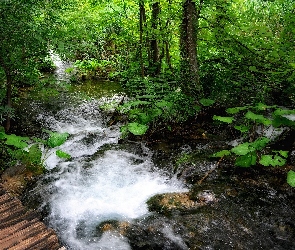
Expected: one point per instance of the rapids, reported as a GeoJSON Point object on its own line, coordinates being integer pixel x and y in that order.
{"type": "Point", "coordinates": [103, 181]}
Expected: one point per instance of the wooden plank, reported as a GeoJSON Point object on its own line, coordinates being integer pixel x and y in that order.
{"type": "Point", "coordinates": [21, 229]}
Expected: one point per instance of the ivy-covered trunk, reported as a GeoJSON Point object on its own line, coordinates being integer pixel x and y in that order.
{"type": "Point", "coordinates": [155, 63]}
{"type": "Point", "coordinates": [188, 48]}
{"type": "Point", "coordinates": [142, 20]}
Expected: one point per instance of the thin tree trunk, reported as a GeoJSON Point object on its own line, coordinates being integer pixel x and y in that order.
{"type": "Point", "coordinates": [142, 19]}
{"type": "Point", "coordinates": [8, 99]}
{"type": "Point", "coordinates": [188, 43]}
{"type": "Point", "coordinates": [155, 63]}
{"type": "Point", "coordinates": [168, 57]}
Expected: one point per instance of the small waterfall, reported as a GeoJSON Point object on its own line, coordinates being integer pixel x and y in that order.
{"type": "Point", "coordinates": [103, 181]}
{"type": "Point", "coordinates": [61, 66]}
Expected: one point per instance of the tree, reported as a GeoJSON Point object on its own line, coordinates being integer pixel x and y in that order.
{"type": "Point", "coordinates": [142, 21]}
{"type": "Point", "coordinates": [155, 63]}
{"type": "Point", "coordinates": [23, 40]}
{"type": "Point", "coordinates": [188, 47]}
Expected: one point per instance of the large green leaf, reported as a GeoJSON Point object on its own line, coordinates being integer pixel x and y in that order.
{"type": "Point", "coordinates": [2, 135]}
{"type": "Point", "coordinates": [17, 141]}
{"type": "Point", "coordinates": [62, 154]}
{"type": "Point", "coordinates": [35, 154]}
{"type": "Point", "coordinates": [243, 149]}
{"type": "Point", "coordinates": [56, 139]}
{"type": "Point", "coordinates": [262, 106]}
{"type": "Point", "coordinates": [258, 118]}
{"type": "Point", "coordinates": [272, 160]}
{"type": "Point", "coordinates": [260, 143]}
{"type": "Point", "coordinates": [164, 104]}
{"type": "Point", "coordinates": [226, 119]}
{"type": "Point", "coordinates": [236, 109]}
{"type": "Point", "coordinates": [221, 153]}
{"type": "Point", "coordinates": [247, 160]}
{"type": "Point", "coordinates": [242, 128]}
{"type": "Point", "coordinates": [291, 178]}
{"type": "Point", "coordinates": [283, 153]}
{"type": "Point", "coordinates": [207, 102]}
{"type": "Point", "coordinates": [281, 120]}
{"type": "Point", "coordinates": [144, 118]}
{"type": "Point", "coordinates": [137, 128]}
{"type": "Point", "coordinates": [284, 112]}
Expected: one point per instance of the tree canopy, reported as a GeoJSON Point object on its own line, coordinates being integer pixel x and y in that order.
{"type": "Point", "coordinates": [233, 52]}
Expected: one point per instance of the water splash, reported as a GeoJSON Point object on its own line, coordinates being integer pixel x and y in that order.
{"type": "Point", "coordinates": [103, 180]}
{"type": "Point", "coordinates": [61, 66]}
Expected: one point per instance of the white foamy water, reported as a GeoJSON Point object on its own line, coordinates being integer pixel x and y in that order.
{"type": "Point", "coordinates": [61, 66]}
{"type": "Point", "coordinates": [102, 181]}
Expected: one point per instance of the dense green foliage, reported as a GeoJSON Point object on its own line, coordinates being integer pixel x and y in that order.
{"type": "Point", "coordinates": [254, 122]}
{"type": "Point", "coordinates": [31, 152]}
{"type": "Point", "coordinates": [172, 57]}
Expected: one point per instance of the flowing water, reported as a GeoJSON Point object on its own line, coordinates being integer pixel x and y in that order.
{"type": "Point", "coordinates": [97, 199]}
{"type": "Point", "coordinates": [103, 181]}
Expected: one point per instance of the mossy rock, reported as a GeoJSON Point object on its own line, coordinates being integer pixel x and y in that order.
{"type": "Point", "coordinates": [168, 203]}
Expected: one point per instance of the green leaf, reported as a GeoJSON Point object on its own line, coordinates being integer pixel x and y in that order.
{"type": "Point", "coordinates": [291, 178]}
{"type": "Point", "coordinates": [284, 112]}
{"type": "Point", "coordinates": [164, 104]}
{"type": "Point", "coordinates": [283, 153]}
{"type": "Point", "coordinates": [253, 68]}
{"type": "Point", "coordinates": [17, 141]}
{"type": "Point", "coordinates": [242, 128]}
{"type": "Point", "coordinates": [137, 128]}
{"type": "Point", "coordinates": [261, 106]}
{"type": "Point", "coordinates": [260, 143]}
{"type": "Point", "coordinates": [206, 102]}
{"type": "Point", "coordinates": [272, 160]}
{"type": "Point", "coordinates": [242, 149]}
{"type": "Point", "coordinates": [235, 110]}
{"type": "Point", "coordinates": [155, 112]}
{"type": "Point", "coordinates": [258, 118]}
{"type": "Point", "coordinates": [266, 160]}
{"type": "Point", "coordinates": [146, 97]}
{"type": "Point", "coordinates": [124, 131]}
{"type": "Point", "coordinates": [246, 160]}
{"type": "Point", "coordinates": [56, 139]}
{"type": "Point", "coordinates": [280, 120]}
{"type": "Point", "coordinates": [62, 154]}
{"type": "Point", "coordinates": [35, 154]}
{"type": "Point", "coordinates": [227, 119]}
{"type": "Point", "coordinates": [221, 153]}
{"type": "Point", "coordinates": [2, 135]}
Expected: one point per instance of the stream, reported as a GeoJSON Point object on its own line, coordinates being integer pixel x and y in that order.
{"type": "Point", "coordinates": [98, 198]}
{"type": "Point", "coordinates": [103, 181]}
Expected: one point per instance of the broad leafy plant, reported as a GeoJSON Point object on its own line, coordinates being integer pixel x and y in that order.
{"type": "Point", "coordinates": [33, 152]}
{"type": "Point", "coordinates": [93, 68]}
{"type": "Point", "coordinates": [254, 148]}
{"type": "Point", "coordinates": [156, 105]}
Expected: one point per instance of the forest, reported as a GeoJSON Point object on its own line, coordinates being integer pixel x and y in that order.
{"type": "Point", "coordinates": [179, 62]}
{"type": "Point", "coordinates": [207, 86]}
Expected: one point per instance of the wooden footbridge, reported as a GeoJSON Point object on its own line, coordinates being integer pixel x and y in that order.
{"type": "Point", "coordinates": [20, 228]}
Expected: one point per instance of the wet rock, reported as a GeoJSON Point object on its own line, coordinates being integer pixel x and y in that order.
{"type": "Point", "coordinates": [15, 179]}
{"type": "Point", "coordinates": [156, 233]}
{"type": "Point", "coordinates": [113, 225]}
{"type": "Point", "coordinates": [170, 203]}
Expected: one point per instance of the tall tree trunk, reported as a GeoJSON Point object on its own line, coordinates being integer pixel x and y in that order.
{"type": "Point", "coordinates": [8, 99]}
{"type": "Point", "coordinates": [8, 75]}
{"type": "Point", "coordinates": [168, 57]}
{"type": "Point", "coordinates": [142, 20]}
{"type": "Point", "coordinates": [154, 47]}
{"type": "Point", "coordinates": [188, 47]}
